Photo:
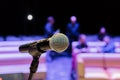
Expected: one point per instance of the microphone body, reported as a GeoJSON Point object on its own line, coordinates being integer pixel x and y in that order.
{"type": "Point", "coordinates": [35, 48]}
{"type": "Point", "coordinates": [58, 42]}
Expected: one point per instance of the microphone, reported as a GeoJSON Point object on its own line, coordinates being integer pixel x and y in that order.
{"type": "Point", "coordinates": [58, 42]}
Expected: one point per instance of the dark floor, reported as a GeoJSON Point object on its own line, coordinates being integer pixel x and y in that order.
{"type": "Point", "coordinates": [59, 69]}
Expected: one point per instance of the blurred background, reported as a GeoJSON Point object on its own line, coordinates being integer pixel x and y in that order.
{"type": "Point", "coordinates": [91, 26]}
{"type": "Point", "coordinates": [90, 14]}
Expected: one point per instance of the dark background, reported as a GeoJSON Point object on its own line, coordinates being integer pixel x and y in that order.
{"type": "Point", "coordinates": [91, 15]}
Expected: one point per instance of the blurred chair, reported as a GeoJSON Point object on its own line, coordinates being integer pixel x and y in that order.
{"type": "Point", "coordinates": [32, 37]}
{"type": "Point", "coordinates": [9, 49]}
{"type": "Point", "coordinates": [12, 38]}
{"type": "Point", "coordinates": [117, 47]}
{"type": "Point", "coordinates": [27, 38]}
{"type": "Point", "coordinates": [20, 63]}
{"type": "Point", "coordinates": [1, 38]}
{"type": "Point", "coordinates": [116, 39]}
{"type": "Point", "coordinates": [36, 37]}
{"type": "Point", "coordinates": [98, 66]}
{"type": "Point", "coordinates": [112, 63]}
{"type": "Point", "coordinates": [92, 38]}
{"type": "Point", "coordinates": [93, 67]}
{"type": "Point", "coordinates": [95, 43]}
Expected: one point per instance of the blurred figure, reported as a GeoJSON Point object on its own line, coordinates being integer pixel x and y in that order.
{"type": "Point", "coordinates": [102, 33]}
{"type": "Point", "coordinates": [49, 31]}
{"type": "Point", "coordinates": [72, 30]}
{"type": "Point", "coordinates": [49, 27]}
{"type": "Point", "coordinates": [109, 46]}
{"type": "Point", "coordinates": [82, 46]}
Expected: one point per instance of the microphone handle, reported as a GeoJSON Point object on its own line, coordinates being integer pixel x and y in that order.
{"type": "Point", "coordinates": [39, 47]}
{"type": "Point", "coordinates": [35, 50]}
{"type": "Point", "coordinates": [25, 47]}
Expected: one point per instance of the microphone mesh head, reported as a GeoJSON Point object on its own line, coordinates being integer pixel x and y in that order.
{"type": "Point", "coordinates": [59, 42]}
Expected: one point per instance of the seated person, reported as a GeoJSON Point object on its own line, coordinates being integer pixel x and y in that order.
{"type": "Point", "coordinates": [102, 33]}
{"type": "Point", "coordinates": [109, 46]}
{"type": "Point", "coordinates": [82, 47]}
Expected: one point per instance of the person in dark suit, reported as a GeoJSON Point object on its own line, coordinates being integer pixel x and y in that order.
{"type": "Point", "coordinates": [49, 29]}
{"type": "Point", "coordinates": [82, 46]}
{"type": "Point", "coordinates": [72, 30]}
{"type": "Point", "coordinates": [102, 33]}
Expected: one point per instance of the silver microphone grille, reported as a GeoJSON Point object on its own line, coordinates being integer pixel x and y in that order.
{"type": "Point", "coordinates": [59, 42]}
